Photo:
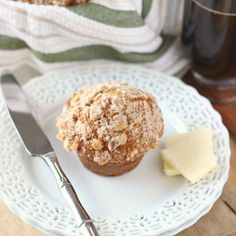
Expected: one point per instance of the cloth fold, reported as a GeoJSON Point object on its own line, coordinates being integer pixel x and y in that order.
{"type": "Point", "coordinates": [50, 37]}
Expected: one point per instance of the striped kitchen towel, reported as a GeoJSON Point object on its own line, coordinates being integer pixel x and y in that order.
{"type": "Point", "coordinates": [52, 37]}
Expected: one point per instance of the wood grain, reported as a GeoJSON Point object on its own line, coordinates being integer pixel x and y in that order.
{"type": "Point", "coordinates": [214, 223]}
{"type": "Point", "coordinates": [12, 225]}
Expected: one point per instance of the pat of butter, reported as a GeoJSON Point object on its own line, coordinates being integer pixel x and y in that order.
{"type": "Point", "coordinates": [190, 154]}
{"type": "Point", "coordinates": [170, 170]}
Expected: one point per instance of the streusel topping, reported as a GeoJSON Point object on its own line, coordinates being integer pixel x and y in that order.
{"type": "Point", "coordinates": [110, 121]}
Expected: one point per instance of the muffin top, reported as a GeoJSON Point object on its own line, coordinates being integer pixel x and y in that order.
{"type": "Point", "coordinates": [111, 121]}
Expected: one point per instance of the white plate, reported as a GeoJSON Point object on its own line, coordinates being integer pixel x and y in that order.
{"type": "Point", "coordinates": [141, 202]}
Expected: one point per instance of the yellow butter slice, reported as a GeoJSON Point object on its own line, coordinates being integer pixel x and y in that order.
{"type": "Point", "coordinates": [170, 170]}
{"type": "Point", "coordinates": [191, 154]}
{"type": "Point", "coordinates": [202, 133]}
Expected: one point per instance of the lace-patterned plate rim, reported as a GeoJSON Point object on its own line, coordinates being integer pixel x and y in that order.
{"type": "Point", "coordinates": [168, 90]}
{"type": "Point", "coordinates": [194, 219]}
{"type": "Point", "coordinates": [174, 231]}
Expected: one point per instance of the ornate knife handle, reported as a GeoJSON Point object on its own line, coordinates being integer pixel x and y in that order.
{"type": "Point", "coordinates": [85, 223]}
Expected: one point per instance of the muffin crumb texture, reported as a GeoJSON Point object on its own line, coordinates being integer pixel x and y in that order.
{"type": "Point", "coordinates": [110, 123]}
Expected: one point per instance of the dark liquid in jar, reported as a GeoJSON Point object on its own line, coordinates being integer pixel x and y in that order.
{"type": "Point", "coordinates": [212, 37]}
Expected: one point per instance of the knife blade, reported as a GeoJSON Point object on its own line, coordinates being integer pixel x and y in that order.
{"type": "Point", "coordinates": [37, 144]}
{"type": "Point", "coordinates": [35, 141]}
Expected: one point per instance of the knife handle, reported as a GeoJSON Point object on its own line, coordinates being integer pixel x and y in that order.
{"type": "Point", "coordinates": [85, 223]}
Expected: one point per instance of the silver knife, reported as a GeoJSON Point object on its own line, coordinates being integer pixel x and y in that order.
{"type": "Point", "coordinates": [37, 145]}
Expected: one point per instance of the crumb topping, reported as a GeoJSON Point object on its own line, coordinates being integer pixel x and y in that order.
{"type": "Point", "coordinates": [111, 122]}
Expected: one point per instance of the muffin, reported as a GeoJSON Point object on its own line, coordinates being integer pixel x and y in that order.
{"type": "Point", "coordinates": [111, 126]}
{"type": "Point", "coordinates": [54, 2]}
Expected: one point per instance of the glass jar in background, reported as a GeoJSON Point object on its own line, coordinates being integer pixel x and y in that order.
{"type": "Point", "coordinates": [209, 29]}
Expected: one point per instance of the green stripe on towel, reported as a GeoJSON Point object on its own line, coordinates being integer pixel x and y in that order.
{"type": "Point", "coordinates": [146, 7]}
{"type": "Point", "coordinates": [89, 52]}
{"type": "Point", "coordinates": [105, 15]}
{"type": "Point", "coordinates": [10, 43]}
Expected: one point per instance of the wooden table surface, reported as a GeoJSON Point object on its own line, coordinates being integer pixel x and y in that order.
{"type": "Point", "coordinates": [220, 221]}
